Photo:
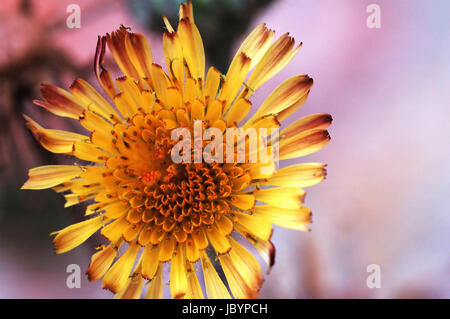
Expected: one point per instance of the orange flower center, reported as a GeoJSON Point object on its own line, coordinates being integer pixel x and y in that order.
{"type": "Point", "coordinates": [167, 197]}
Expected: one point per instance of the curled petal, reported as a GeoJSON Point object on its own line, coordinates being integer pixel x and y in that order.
{"type": "Point", "coordinates": [59, 102]}
{"type": "Point", "coordinates": [56, 141]}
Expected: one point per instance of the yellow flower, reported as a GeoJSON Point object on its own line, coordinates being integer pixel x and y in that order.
{"type": "Point", "coordinates": [162, 211]}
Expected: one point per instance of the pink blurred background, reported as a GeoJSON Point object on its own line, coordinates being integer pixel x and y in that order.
{"type": "Point", "coordinates": [386, 197]}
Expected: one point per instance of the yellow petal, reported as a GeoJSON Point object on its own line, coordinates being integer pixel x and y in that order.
{"type": "Point", "coordinates": [256, 44]}
{"type": "Point", "coordinates": [105, 142]}
{"type": "Point", "coordinates": [132, 289]}
{"type": "Point", "coordinates": [116, 209]}
{"type": "Point", "coordinates": [267, 251]}
{"type": "Point", "coordinates": [254, 225]}
{"type": "Point", "coordinates": [132, 231]}
{"type": "Point", "coordinates": [284, 114]}
{"type": "Point", "coordinates": [238, 111]}
{"type": "Point", "coordinates": [220, 124]}
{"type": "Point", "coordinates": [117, 46]}
{"type": "Point", "coordinates": [218, 240]}
{"type": "Point", "coordinates": [260, 170]}
{"type": "Point", "coordinates": [288, 218]}
{"type": "Point", "coordinates": [76, 234]}
{"type": "Point", "coordinates": [92, 174]}
{"type": "Point", "coordinates": [299, 175]}
{"type": "Point", "coordinates": [186, 11]}
{"type": "Point", "coordinates": [287, 197]}
{"type": "Point", "coordinates": [265, 248]}
{"type": "Point", "coordinates": [174, 57]}
{"type": "Point", "coordinates": [125, 105]}
{"type": "Point", "coordinates": [81, 187]}
{"type": "Point", "coordinates": [310, 122]}
{"type": "Point", "coordinates": [242, 271]}
{"type": "Point", "coordinates": [73, 199]}
{"type": "Point", "coordinates": [234, 79]}
{"type": "Point", "coordinates": [139, 52]}
{"type": "Point", "coordinates": [55, 141]}
{"type": "Point", "coordinates": [303, 144]}
{"type": "Point", "coordinates": [59, 102]}
{"type": "Point", "coordinates": [50, 175]}
{"type": "Point", "coordinates": [212, 83]}
{"type": "Point", "coordinates": [93, 122]}
{"type": "Point", "coordinates": [192, 252]}
{"type": "Point", "coordinates": [91, 99]}
{"type": "Point", "coordinates": [161, 83]}
{"type": "Point", "coordinates": [157, 235]}
{"type": "Point", "coordinates": [274, 60]}
{"type": "Point", "coordinates": [94, 208]}
{"type": "Point", "coordinates": [224, 224]}
{"type": "Point", "coordinates": [167, 248]}
{"type": "Point", "coordinates": [194, 291]}
{"type": "Point", "coordinates": [192, 45]}
{"type": "Point", "coordinates": [150, 261]}
{"type": "Point", "coordinates": [197, 110]}
{"type": "Point", "coordinates": [134, 216]}
{"type": "Point", "coordinates": [144, 236]}
{"type": "Point", "coordinates": [243, 201]}
{"type": "Point", "coordinates": [116, 277]}
{"type": "Point", "coordinates": [114, 230]}
{"type": "Point", "coordinates": [100, 263]}
{"type": "Point", "coordinates": [286, 94]}
{"type": "Point", "coordinates": [190, 91]}
{"type": "Point", "coordinates": [174, 98]}
{"type": "Point", "coordinates": [199, 238]}
{"type": "Point", "coordinates": [178, 279]}
{"type": "Point", "coordinates": [267, 122]}
{"type": "Point", "coordinates": [241, 182]}
{"type": "Point", "coordinates": [88, 152]}
{"type": "Point", "coordinates": [155, 290]}
{"type": "Point", "coordinates": [215, 289]}
{"type": "Point", "coordinates": [132, 93]}
{"type": "Point", "coordinates": [214, 111]}
{"type": "Point", "coordinates": [149, 99]}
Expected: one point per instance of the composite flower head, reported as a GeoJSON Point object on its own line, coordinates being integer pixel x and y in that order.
{"type": "Point", "coordinates": [154, 210]}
